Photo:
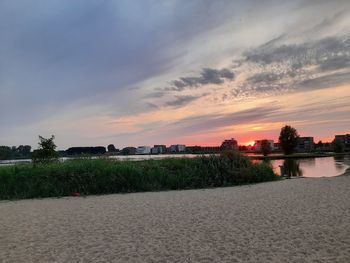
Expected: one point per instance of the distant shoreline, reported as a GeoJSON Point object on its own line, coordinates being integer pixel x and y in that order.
{"type": "Point", "coordinates": [252, 156]}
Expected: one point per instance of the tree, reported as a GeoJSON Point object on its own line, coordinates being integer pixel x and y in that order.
{"type": "Point", "coordinates": [46, 151]}
{"type": "Point", "coordinates": [5, 152]}
{"type": "Point", "coordinates": [288, 139]}
{"type": "Point", "coordinates": [86, 150]}
{"type": "Point", "coordinates": [23, 150]}
{"type": "Point", "coordinates": [265, 147]}
{"type": "Point", "coordinates": [111, 148]}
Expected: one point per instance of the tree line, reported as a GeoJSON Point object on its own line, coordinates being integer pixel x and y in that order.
{"type": "Point", "coordinates": [22, 151]}
{"type": "Point", "coordinates": [288, 140]}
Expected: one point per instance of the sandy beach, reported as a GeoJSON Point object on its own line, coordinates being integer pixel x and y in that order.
{"type": "Point", "coordinates": [297, 220]}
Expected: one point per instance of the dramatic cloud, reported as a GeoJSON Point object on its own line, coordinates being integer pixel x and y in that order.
{"type": "Point", "coordinates": [299, 55]}
{"type": "Point", "coordinates": [288, 68]}
{"type": "Point", "coordinates": [207, 76]}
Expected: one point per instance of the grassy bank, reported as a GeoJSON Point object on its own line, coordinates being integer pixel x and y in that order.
{"type": "Point", "coordinates": [105, 176]}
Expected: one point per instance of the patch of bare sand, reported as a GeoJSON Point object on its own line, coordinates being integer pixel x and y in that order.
{"type": "Point", "coordinates": [298, 220]}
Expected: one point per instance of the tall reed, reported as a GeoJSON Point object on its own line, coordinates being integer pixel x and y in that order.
{"type": "Point", "coordinates": [105, 176]}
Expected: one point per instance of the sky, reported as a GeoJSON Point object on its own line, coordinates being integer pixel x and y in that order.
{"type": "Point", "coordinates": [145, 72]}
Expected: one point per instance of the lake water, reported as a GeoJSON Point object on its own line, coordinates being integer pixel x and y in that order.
{"type": "Point", "coordinates": [118, 157]}
{"type": "Point", "coordinates": [307, 167]}
{"type": "Point", "coordinates": [312, 167]}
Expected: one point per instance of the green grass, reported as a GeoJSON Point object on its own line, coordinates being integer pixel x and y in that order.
{"type": "Point", "coordinates": [105, 176]}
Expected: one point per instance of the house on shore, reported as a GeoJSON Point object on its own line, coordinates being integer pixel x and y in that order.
{"type": "Point", "coordinates": [177, 148]}
{"type": "Point", "coordinates": [305, 144]}
{"type": "Point", "coordinates": [158, 149]}
{"type": "Point", "coordinates": [143, 150]}
{"type": "Point", "coordinates": [345, 140]}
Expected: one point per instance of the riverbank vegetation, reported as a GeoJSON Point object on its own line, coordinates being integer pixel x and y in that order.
{"type": "Point", "coordinates": [106, 176]}
{"type": "Point", "coordinates": [20, 152]}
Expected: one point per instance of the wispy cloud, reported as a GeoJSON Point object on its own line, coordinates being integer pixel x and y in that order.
{"type": "Point", "coordinates": [182, 100]}
{"type": "Point", "coordinates": [209, 122]}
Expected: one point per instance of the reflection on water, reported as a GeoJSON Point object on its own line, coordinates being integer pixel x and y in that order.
{"type": "Point", "coordinates": [311, 167]}
{"type": "Point", "coordinates": [291, 168]}
{"type": "Point", "coordinates": [118, 157]}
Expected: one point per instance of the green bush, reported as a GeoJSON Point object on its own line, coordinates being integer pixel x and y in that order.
{"type": "Point", "coordinates": [105, 176]}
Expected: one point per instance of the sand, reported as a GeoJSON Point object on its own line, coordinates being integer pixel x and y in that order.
{"type": "Point", "coordinates": [297, 220]}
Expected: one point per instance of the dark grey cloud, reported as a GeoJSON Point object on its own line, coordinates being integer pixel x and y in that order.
{"type": "Point", "coordinates": [207, 76]}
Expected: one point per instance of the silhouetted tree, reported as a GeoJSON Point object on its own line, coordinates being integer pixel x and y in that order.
{"type": "Point", "coordinates": [288, 139]}
{"type": "Point", "coordinates": [46, 151]}
{"type": "Point", "coordinates": [111, 148]}
{"type": "Point", "coordinates": [265, 147]}
{"type": "Point", "coordinates": [5, 152]}
{"type": "Point", "coordinates": [23, 150]}
{"type": "Point", "coordinates": [128, 151]}
{"type": "Point", "coordinates": [86, 150]}
{"type": "Point", "coordinates": [242, 148]}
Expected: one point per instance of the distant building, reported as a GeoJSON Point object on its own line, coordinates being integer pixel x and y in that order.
{"type": "Point", "coordinates": [323, 146]}
{"type": "Point", "coordinates": [202, 149]}
{"type": "Point", "coordinates": [177, 148]}
{"type": "Point", "coordinates": [258, 143]}
{"type": "Point", "coordinates": [277, 146]}
{"type": "Point", "coordinates": [143, 150]}
{"type": "Point", "coordinates": [305, 144]}
{"type": "Point", "coordinates": [230, 144]}
{"type": "Point", "coordinates": [345, 139]}
{"type": "Point", "coordinates": [158, 149]}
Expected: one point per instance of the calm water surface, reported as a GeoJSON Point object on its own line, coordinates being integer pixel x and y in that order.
{"type": "Point", "coordinates": [118, 157]}
{"type": "Point", "coordinates": [312, 167]}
